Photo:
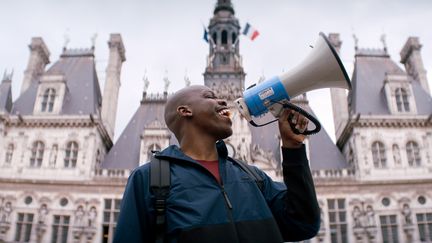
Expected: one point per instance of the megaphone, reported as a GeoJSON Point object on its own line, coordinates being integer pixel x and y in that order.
{"type": "Point", "coordinates": [322, 68]}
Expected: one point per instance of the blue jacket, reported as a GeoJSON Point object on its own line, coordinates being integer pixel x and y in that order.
{"type": "Point", "coordinates": [199, 209]}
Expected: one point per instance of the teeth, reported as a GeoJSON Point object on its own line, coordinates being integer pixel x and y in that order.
{"type": "Point", "coordinates": [225, 112]}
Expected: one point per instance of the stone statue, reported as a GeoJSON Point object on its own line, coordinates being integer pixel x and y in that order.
{"type": "Point", "coordinates": [92, 217]}
{"type": "Point", "coordinates": [5, 212]}
{"type": "Point", "coordinates": [79, 216]}
{"type": "Point", "coordinates": [396, 154]}
{"type": "Point", "coordinates": [370, 216]}
{"type": "Point", "coordinates": [357, 214]}
{"type": "Point", "coordinates": [43, 212]}
{"type": "Point", "coordinates": [406, 212]}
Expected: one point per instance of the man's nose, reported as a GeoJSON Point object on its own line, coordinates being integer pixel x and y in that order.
{"type": "Point", "coordinates": [222, 102]}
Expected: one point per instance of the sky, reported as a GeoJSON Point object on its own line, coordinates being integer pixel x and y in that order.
{"type": "Point", "coordinates": [164, 38]}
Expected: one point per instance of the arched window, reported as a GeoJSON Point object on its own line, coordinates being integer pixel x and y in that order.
{"type": "Point", "coordinates": [402, 100]}
{"type": "Point", "coordinates": [48, 100]}
{"type": "Point", "coordinates": [224, 37]}
{"type": "Point", "coordinates": [214, 37]}
{"type": "Point", "coordinates": [37, 153]}
{"type": "Point", "coordinates": [378, 155]}
{"type": "Point", "coordinates": [153, 147]}
{"type": "Point", "coordinates": [71, 155]}
{"type": "Point", "coordinates": [234, 38]}
{"type": "Point", "coordinates": [413, 153]}
{"type": "Point", "coordinates": [9, 154]}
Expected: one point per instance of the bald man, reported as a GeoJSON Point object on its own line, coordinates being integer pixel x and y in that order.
{"type": "Point", "coordinates": [212, 199]}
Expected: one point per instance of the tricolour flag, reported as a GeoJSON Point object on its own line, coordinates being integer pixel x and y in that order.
{"type": "Point", "coordinates": [250, 31]}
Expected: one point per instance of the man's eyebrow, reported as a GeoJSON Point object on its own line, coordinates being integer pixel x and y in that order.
{"type": "Point", "coordinates": [210, 92]}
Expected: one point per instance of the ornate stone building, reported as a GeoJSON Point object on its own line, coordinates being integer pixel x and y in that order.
{"type": "Point", "coordinates": [62, 178]}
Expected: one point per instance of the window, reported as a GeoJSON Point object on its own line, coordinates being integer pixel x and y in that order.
{"type": "Point", "coordinates": [37, 153]}
{"type": "Point", "coordinates": [402, 100]}
{"type": "Point", "coordinates": [378, 155]}
{"type": "Point", "coordinates": [9, 154]}
{"type": "Point", "coordinates": [224, 37]}
{"type": "Point", "coordinates": [424, 222]}
{"type": "Point", "coordinates": [71, 155]}
{"type": "Point", "coordinates": [60, 229]}
{"type": "Point", "coordinates": [413, 153]}
{"type": "Point", "coordinates": [214, 37]}
{"type": "Point", "coordinates": [234, 38]}
{"type": "Point", "coordinates": [24, 227]}
{"type": "Point", "coordinates": [48, 100]}
{"type": "Point", "coordinates": [389, 228]}
{"type": "Point", "coordinates": [110, 216]}
{"type": "Point", "coordinates": [153, 147]}
{"type": "Point", "coordinates": [337, 220]}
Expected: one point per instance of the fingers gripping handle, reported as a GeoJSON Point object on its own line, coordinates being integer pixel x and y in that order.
{"type": "Point", "coordinates": [307, 115]}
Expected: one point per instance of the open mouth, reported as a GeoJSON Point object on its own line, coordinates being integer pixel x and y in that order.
{"type": "Point", "coordinates": [225, 112]}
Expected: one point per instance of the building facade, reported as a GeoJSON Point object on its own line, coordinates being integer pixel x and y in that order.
{"type": "Point", "coordinates": [62, 177]}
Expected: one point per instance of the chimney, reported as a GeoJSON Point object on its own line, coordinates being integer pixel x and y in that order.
{"type": "Point", "coordinates": [112, 82]}
{"type": "Point", "coordinates": [338, 96]}
{"type": "Point", "coordinates": [411, 58]}
{"type": "Point", "coordinates": [39, 58]}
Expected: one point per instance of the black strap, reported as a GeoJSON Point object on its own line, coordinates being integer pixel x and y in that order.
{"type": "Point", "coordinates": [160, 182]}
{"type": "Point", "coordinates": [251, 172]}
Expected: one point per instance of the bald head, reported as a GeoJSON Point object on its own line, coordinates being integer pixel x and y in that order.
{"type": "Point", "coordinates": [182, 99]}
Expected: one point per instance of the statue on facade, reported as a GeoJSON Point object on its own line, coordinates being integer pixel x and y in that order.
{"type": "Point", "coordinates": [406, 212]}
{"type": "Point", "coordinates": [5, 212]}
{"type": "Point", "coordinates": [357, 216]}
{"type": "Point", "coordinates": [92, 217]}
{"type": "Point", "coordinates": [43, 212]}
{"type": "Point", "coordinates": [370, 215]}
{"type": "Point", "coordinates": [79, 216]}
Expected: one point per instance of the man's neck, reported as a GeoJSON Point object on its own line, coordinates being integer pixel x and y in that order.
{"type": "Point", "coordinates": [199, 149]}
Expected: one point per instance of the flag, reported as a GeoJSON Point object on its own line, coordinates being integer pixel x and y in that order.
{"type": "Point", "coordinates": [205, 36]}
{"type": "Point", "coordinates": [250, 31]}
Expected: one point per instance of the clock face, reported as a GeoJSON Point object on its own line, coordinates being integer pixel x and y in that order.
{"type": "Point", "coordinates": [231, 150]}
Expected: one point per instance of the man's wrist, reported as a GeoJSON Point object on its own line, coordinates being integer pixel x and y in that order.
{"type": "Point", "coordinates": [291, 144]}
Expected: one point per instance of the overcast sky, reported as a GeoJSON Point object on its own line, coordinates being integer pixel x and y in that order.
{"type": "Point", "coordinates": [165, 36]}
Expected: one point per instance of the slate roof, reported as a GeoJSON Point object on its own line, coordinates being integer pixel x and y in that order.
{"type": "Point", "coordinates": [368, 96]}
{"type": "Point", "coordinates": [126, 151]}
{"type": "Point", "coordinates": [5, 96]}
{"type": "Point", "coordinates": [83, 95]}
{"type": "Point", "coordinates": [323, 153]}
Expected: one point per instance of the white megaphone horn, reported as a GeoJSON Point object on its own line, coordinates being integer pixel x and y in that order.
{"type": "Point", "coordinates": [322, 68]}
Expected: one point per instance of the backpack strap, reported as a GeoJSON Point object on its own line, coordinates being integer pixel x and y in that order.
{"type": "Point", "coordinates": [251, 172]}
{"type": "Point", "coordinates": [160, 182]}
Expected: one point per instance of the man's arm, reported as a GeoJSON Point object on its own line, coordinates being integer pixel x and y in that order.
{"type": "Point", "coordinates": [135, 222]}
{"type": "Point", "coordinates": [296, 209]}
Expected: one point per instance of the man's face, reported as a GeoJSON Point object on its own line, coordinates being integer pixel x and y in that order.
{"type": "Point", "coordinates": [210, 113]}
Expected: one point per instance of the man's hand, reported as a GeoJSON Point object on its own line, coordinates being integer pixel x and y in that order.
{"type": "Point", "coordinates": [289, 138]}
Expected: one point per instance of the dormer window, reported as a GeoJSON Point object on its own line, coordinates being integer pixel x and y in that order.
{"type": "Point", "coordinates": [379, 155]}
{"type": "Point", "coordinates": [402, 102]}
{"type": "Point", "coordinates": [71, 155]}
{"type": "Point", "coordinates": [413, 153]}
{"type": "Point", "coordinates": [48, 100]}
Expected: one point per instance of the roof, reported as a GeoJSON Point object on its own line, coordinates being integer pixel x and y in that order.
{"type": "Point", "coordinates": [323, 153]}
{"type": "Point", "coordinates": [83, 95]}
{"type": "Point", "coordinates": [368, 78]}
{"type": "Point", "coordinates": [5, 96]}
{"type": "Point", "coordinates": [125, 153]}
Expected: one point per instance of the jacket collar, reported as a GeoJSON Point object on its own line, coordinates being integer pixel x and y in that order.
{"type": "Point", "coordinates": [174, 152]}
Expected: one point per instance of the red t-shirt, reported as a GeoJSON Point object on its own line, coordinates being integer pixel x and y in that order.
{"type": "Point", "coordinates": [213, 167]}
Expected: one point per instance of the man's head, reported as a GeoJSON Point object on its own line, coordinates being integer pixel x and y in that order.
{"type": "Point", "coordinates": [196, 111]}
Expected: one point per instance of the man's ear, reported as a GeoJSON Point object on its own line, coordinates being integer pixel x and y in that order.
{"type": "Point", "coordinates": [184, 110]}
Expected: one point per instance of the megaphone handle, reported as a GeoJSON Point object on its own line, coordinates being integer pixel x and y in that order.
{"type": "Point", "coordinates": [307, 115]}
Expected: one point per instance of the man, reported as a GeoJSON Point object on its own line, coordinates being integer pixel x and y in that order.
{"type": "Point", "coordinates": [211, 199]}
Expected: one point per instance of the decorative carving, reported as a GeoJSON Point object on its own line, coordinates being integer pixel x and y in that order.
{"type": "Point", "coordinates": [406, 212]}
